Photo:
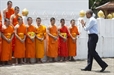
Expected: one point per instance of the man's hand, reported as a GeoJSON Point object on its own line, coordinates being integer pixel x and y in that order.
{"type": "Point", "coordinates": [83, 23]}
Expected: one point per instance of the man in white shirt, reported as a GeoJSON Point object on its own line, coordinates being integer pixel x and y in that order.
{"type": "Point", "coordinates": [92, 28]}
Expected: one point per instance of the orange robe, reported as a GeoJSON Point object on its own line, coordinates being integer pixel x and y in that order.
{"type": "Point", "coordinates": [40, 32]}
{"type": "Point", "coordinates": [19, 51]}
{"type": "Point", "coordinates": [30, 45]}
{"type": "Point", "coordinates": [53, 44]}
{"type": "Point", "coordinates": [0, 36]}
{"type": "Point", "coordinates": [9, 12]}
{"type": "Point", "coordinates": [71, 44]}
{"type": "Point", "coordinates": [6, 54]}
{"type": "Point", "coordinates": [0, 17]}
{"type": "Point", "coordinates": [14, 22]}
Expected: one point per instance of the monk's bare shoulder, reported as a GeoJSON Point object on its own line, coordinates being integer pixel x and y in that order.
{"type": "Point", "coordinates": [17, 26]}
{"type": "Point", "coordinates": [3, 27]}
{"type": "Point", "coordinates": [68, 26]}
{"type": "Point", "coordinates": [12, 16]}
{"type": "Point", "coordinates": [49, 27]}
{"type": "Point", "coordinates": [59, 27]}
{"type": "Point", "coordinates": [4, 10]}
{"type": "Point", "coordinates": [27, 26]}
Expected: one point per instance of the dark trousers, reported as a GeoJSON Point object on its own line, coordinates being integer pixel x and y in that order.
{"type": "Point", "coordinates": [92, 42]}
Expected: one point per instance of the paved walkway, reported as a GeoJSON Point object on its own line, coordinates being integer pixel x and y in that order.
{"type": "Point", "coordinates": [58, 68]}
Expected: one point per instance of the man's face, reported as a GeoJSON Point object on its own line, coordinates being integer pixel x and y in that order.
{"type": "Point", "coordinates": [10, 5]}
{"type": "Point", "coordinates": [88, 15]}
{"type": "Point", "coordinates": [38, 21]}
{"type": "Point", "coordinates": [73, 23]}
{"type": "Point", "coordinates": [53, 22]}
{"type": "Point", "coordinates": [21, 21]}
{"type": "Point", "coordinates": [17, 11]}
{"type": "Point", "coordinates": [30, 21]}
{"type": "Point", "coordinates": [63, 22]}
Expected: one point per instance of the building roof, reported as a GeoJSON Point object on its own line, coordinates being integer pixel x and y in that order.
{"type": "Point", "coordinates": [108, 5]}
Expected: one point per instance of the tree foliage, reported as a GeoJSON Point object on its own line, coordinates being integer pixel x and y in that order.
{"type": "Point", "coordinates": [95, 3]}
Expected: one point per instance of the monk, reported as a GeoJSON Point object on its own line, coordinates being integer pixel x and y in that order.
{"type": "Point", "coordinates": [14, 17]}
{"type": "Point", "coordinates": [63, 36]}
{"type": "Point", "coordinates": [8, 11]}
{"type": "Point", "coordinates": [7, 35]}
{"type": "Point", "coordinates": [0, 35]}
{"type": "Point", "coordinates": [52, 51]}
{"type": "Point", "coordinates": [72, 40]}
{"type": "Point", "coordinates": [20, 33]}
{"type": "Point", "coordinates": [30, 40]}
{"type": "Point", "coordinates": [14, 22]}
{"type": "Point", "coordinates": [40, 37]}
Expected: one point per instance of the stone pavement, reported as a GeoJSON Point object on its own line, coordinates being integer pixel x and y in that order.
{"type": "Point", "coordinates": [58, 68]}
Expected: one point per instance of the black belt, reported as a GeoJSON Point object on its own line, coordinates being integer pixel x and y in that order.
{"type": "Point", "coordinates": [92, 34]}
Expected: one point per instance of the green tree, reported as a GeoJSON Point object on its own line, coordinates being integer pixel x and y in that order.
{"type": "Point", "coordinates": [95, 3]}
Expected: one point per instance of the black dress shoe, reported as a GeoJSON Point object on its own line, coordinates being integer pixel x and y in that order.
{"type": "Point", "coordinates": [85, 70]}
{"type": "Point", "coordinates": [103, 68]}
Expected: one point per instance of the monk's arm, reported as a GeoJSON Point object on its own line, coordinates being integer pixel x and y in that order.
{"type": "Point", "coordinates": [17, 35]}
{"type": "Point", "coordinates": [30, 37]}
{"type": "Point", "coordinates": [4, 37]}
{"type": "Point", "coordinates": [11, 20]}
{"type": "Point", "coordinates": [12, 36]}
{"type": "Point", "coordinates": [60, 34]}
{"type": "Point", "coordinates": [33, 37]}
{"type": "Point", "coordinates": [70, 33]}
{"type": "Point", "coordinates": [4, 14]}
{"type": "Point", "coordinates": [37, 37]}
{"type": "Point", "coordinates": [24, 37]}
{"type": "Point", "coordinates": [50, 33]}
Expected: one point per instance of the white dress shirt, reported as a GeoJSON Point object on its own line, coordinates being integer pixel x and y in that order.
{"type": "Point", "coordinates": [92, 26]}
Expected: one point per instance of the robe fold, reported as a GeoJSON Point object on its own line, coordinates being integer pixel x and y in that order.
{"type": "Point", "coordinates": [9, 12]}
{"type": "Point", "coordinates": [52, 43]}
{"type": "Point", "coordinates": [40, 32]}
{"type": "Point", "coordinates": [19, 51]}
{"type": "Point", "coordinates": [71, 44]}
{"type": "Point", "coordinates": [30, 45]}
{"type": "Point", "coordinates": [0, 35]}
{"type": "Point", "coordinates": [14, 22]}
{"type": "Point", "coordinates": [63, 47]}
{"type": "Point", "coordinates": [6, 53]}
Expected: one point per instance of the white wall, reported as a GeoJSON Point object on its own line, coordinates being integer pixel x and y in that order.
{"type": "Point", "coordinates": [106, 35]}
{"type": "Point", "coordinates": [67, 9]}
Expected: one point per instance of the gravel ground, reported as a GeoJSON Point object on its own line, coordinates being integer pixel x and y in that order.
{"type": "Point", "coordinates": [58, 68]}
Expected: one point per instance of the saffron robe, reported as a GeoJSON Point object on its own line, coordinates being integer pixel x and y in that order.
{"type": "Point", "coordinates": [19, 51]}
{"type": "Point", "coordinates": [30, 45]}
{"type": "Point", "coordinates": [40, 32]}
{"type": "Point", "coordinates": [6, 54]}
{"type": "Point", "coordinates": [52, 43]}
{"type": "Point", "coordinates": [71, 44]}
